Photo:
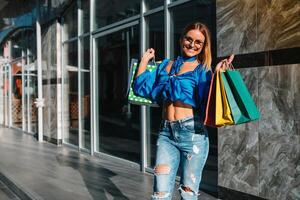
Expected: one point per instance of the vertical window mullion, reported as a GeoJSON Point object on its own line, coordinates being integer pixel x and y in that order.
{"type": "Point", "coordinates": [23, 91]}
{"type": "Point", "coordinates": [79, 49]}
{"type": "Point", "coordinates": [93, 84]}
{"type": "Point", "coordinates": [143, 107]}
{"type": "Point", "coordinates": [167, 28]}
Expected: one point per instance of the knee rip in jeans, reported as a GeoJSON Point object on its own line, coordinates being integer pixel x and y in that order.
{"type": "Point", "coordinates": [160, 195]}
{"type": "Point", "coordinates": [162, 169]}
{"type": "Point", "coordinates": [187, 190]}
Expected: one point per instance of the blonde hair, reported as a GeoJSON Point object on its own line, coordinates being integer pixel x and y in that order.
{"type": "Point", "coordinates": [204, 57]}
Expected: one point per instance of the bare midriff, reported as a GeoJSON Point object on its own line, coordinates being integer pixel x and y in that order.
{"type": "Point", "coordinates": [176, 110]}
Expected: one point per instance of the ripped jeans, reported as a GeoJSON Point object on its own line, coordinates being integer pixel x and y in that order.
{"type": "Point", "coordinates": [180, 143]}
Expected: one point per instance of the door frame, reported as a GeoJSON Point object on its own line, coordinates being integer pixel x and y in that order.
{"type": "Point", "coordinates": [95, 94]}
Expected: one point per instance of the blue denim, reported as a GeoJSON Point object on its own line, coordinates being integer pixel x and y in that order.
{"type": "Point", "coordinates": [180, 143]}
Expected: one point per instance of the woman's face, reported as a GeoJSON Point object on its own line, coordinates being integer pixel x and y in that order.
{"type": "Point", "coordinates": [192, 43]}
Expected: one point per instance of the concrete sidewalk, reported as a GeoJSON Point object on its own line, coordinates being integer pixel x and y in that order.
{"type": "Point", "coordinates": [44, 171]}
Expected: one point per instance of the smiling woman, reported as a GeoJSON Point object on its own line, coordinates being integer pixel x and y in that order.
{"type": "Point", "coordinates": [181, 88]}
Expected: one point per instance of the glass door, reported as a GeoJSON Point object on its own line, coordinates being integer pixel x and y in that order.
{"type": "Point", "coordinates": [118, 126]}
{"type": "Point", "coordinates": [76, 94]}
{"type": "Point", "coordinates": [30, 95]}
{"type": "Point", "coordinates": [85, 91]}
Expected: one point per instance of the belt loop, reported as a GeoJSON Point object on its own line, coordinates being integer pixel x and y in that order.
{"type": "Point", "coordinates": [180, 123]}
{"type": "Point", "coordinates": [165, 123]}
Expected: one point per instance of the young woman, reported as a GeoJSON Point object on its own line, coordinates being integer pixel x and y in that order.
{"type": "Point", "coordinates": [181, 87]}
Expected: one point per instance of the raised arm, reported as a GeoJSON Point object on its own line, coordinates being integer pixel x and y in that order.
{"type": "Point", "coordinates": [148, 55]}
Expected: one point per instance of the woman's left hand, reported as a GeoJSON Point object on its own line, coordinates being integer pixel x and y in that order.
{"type": "Point", "coordinates": [224, 63]}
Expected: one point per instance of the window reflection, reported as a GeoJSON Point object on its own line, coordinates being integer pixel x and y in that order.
{"type": "Point", "coordinates": [151, 4]}
{"type": "Point", "coordinates": [72, 86]}
{"type": "Point", "coordinates": [70, 100]}
{"type": "Point", "coordinates": [30, 96]}
{"type": "Point", "coordinates": [16, 93]}
{"type": "Point", "coordinates": [85, 95]}
{"type": "Point", "coordinates": [86, 52]}
{"type": "Point", "coordinates": [71, 53]}
{"type": "Point", "coordinates": [119, 122]}
{"type": "Point", "coordinates": [21, 41]}
{"type": "Point", "coordinates": [155, 34]}
{"type": "Point", "coordinates": [86, 15]}
{"type": "Point", "coordinates": [110, 11]}
{"type": "Point", "coordinates": [71, 22]}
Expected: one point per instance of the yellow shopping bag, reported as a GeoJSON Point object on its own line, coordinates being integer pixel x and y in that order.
{"type": "Point", "coordinates": [223, 113]}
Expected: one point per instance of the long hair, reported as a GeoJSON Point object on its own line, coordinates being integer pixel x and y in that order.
{"type": "Point", "coordinates": [204, 57]}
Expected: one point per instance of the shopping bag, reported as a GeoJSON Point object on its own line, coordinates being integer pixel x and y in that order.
{"type": "Point", "coordinates": [242, 95]}
{"type": "Point", "coordinates": [210, 113]}
{"type": "Point", "coordinates": [223, 113]}
{"type": "Point", "coordinates": [132, 98]}
{"type": "Point", "coordinates": [236, 113]}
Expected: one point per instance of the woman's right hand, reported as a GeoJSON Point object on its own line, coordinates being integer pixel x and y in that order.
{"type": "Point", "coordinates": [148, 55]}
{"type": "Point", "coordinates": [223, 64]}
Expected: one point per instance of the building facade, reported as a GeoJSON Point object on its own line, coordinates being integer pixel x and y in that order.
{"type": "Point", "coordinates": [64, 76]}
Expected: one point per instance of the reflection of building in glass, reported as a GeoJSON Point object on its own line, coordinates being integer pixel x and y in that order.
{"type": "Point", "coordinates": [78, 54]}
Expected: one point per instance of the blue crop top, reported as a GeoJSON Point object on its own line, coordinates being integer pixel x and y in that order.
{"type": "Point", "coordinates": [160, 86]}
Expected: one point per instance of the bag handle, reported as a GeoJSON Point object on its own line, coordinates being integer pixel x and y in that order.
{"type": "Point", "coordinates": [226, 66]}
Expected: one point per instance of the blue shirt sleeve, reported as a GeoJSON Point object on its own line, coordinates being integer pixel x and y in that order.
{"type": "Point", "coordinates": [144, 83]}
{"type": "Point", "coordinates": [203, 90]}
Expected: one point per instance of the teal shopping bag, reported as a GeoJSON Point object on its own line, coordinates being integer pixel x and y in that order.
{"type": "Point", "coordinates": [237, 114]}
{"type": "Point", "coordinates": [242, 95]}
{"type": "Point", "coordinates": [132, 98]}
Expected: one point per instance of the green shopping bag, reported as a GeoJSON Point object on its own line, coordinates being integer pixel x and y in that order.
{"type": "Point", "coordinates": [237, 115]}
{"type": "Point", "coordinates": [132, 98]}
{"type": "Point", "coordinates": [242, 96]}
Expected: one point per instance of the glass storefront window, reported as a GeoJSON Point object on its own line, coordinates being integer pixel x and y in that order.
{"type": "Point", "coordinates": [86, 15]}
{"type": "Point", "coordinates": [110, 11]}
{"type": "Point", "coordinates": [71, 54]}
{"type": "Point", "coordinates": [30, 96]}
{"type": "Point", "coordinates": [16, 93]}
{"type": "Point", "coordinates": [199, 10]}
{"type": "Point", "coordinates": [86, 53]}
{"type": "Point", "coordinates": [155, 39]}
{"type": "Point", "coordinates": [119, 122]}
{"type": "Point", "coordinates": [71, 22]}
{"type": "Point", "coordinates": [85, 95]}
{"type": "Point", "coordinates": [21, 41]}
{"type": "Point", "coordinates": [155, 34]}
{"type": "Point", "coordinates": [151, 4]}
{"type": "Point", "coordinates": [85, 110]}
{"type": "Point", "coordinates": [31, 44]}
{"type": "Point", "coordinates": [70, 92]}
{"type": "Point", "coordinates": [17, 45]}
{"type": "Point", "coordinates": [23, 57]}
